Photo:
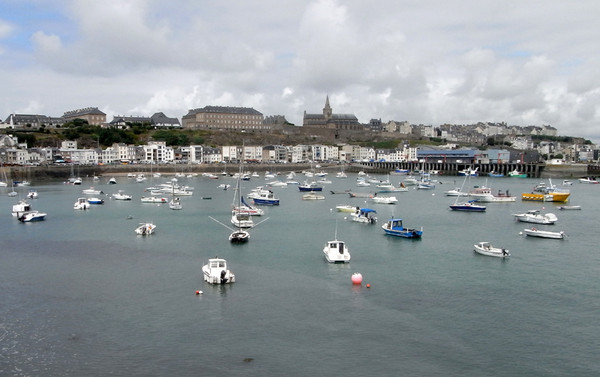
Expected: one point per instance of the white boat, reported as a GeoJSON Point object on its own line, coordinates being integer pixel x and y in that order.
{"type": "Point", "coordinates": [312, 196]}
{"type": "Point", "coordinates": [362, 183]}
{"type": "Point", "coordinates": [120, 195]}
{"type": "Point", "coordinates": [216, 272]}
{"type": "Point", "coordinates": [384, 199]}
{"type": "Point", "coordinates": [112, 181]}
{"type": "Point", "coordinates": [153, 199]}
{"type": "Point", "coordinates": [533, 232]}
{"type": "Point", "coordinates": [364, 215]}
{"type": "Point", "coordinates": [410, 181]}
{"type": "Point", "coordinates": [336, 251]}
{"type": "Point", "coordinates": [145, 229]}
{"type": "Point", "coordinates": [534, 216]}
{"type": "Point", "coordinates": [591, 180]}
{"type": "Point", "coordinates": [91, 191]}
{"type": "Point", "coordinates": [247, 208]}
{"type": "Point", "coordinates": [140, 178]}
{"type": "Point", "coordinates": [565, 208]}
{"type": "Point", "coordinates": [501, 197]}
{"type": "Point", "coordinates": [486, 248]}
{"type": "Point", "coordinates": [21, 206]}
{"type": "Point", "coordinates": [31, 216]}
{"type": "Point", "coordinates": [81, 203]}
{"type": "Point", "coordinates": [347, 208]}
{"type": "Point", "coordinates": [277, 183]}
{"type": "Point", "coordinates": [239, 236]}
{"type": "Point", "coordinates": [32, 194]}
{"type": "Point", "coordinates": [455, 192]}
{"type": "Point", "coordinates": [241, 220]}
{"type": "Point", "coordinates": [175, 204]}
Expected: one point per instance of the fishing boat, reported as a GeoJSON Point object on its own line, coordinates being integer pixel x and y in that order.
{"type": "Point", "coordinates": [486, 248]}
{"type": "Point", "coordinates": [265, 197]}
{"type": "Point", "coordinates": [216, 272]}
{"type": "Point", "coordinates": [336, 251]}
{"type": "Point", "coordinates": [394, 227]}
{"type": "Point", "coordinates": [534, 216]}
{"type": "Point", "coordinates": [31, 216]}
{"type": "Point", "coordinates": [547, 193]}
{"type": "Point", "coordinates": [364, 215]}
{"type": "Point", "coordinates": [517, 174]}
{"type": "Point", "coordinates": [310, 186]}
{"type": "Point", "coordinates": [533, 232]}
{"type": "Point", "coordinates": [145, 229]}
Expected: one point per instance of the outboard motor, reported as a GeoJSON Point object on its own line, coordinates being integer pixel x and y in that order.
{"type": "Point", "coordinates": [223, 278]}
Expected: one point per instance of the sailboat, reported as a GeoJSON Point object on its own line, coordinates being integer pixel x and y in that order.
{"type": "Point", "coordinates": [468, 206]}
{"type": "Point", "coordinates": [239, 218]}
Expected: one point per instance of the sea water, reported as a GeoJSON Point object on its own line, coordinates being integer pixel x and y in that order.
{"type": "Point", "coordinates": [82, 295]}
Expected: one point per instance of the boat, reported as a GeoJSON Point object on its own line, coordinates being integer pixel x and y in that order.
{"type": "Point", "coordinates": [21, 206]}
{"type": "Point", "coordinates": [312, 196]}
{"type": "Point", "coordinates": [239, 236]}
{"type": "Point", "coordinates": [517, 174]}
{"type": "Point", "coordinates": [362, 183]}
{"type": "Point", "coordinates": [533, 232]}
{"type": "Point", "coordinates": [384, 199]}
{"type": "Point", "coordinates": [265, 197]}
{"type": "Point", "coordinates": [565, 208]}
{"type": "Point", "coordinates": [346, 208]}
{"type": "Point", "coordinates": [241, 219]}
{"type": "Point", "coordinates": [364, 215]}
{"type": "Point", "coordinates": [91, 191]}
{"type": "Point", "coordinates": [546, 193]}
{"type": "Point", "coordinates": [455, 192]}
{"type": "Point", "coordinates": [591, 180]}
{"type": "Point", "coordinates": [394, 227]}
{"type": "Point", "coordinates": [81, 203]}
{"type": "Point", "coordinates": [247, 208]}
{"type": "Point", "coordinates": [359, 194]}
{"type": "Point", "coordinates": [336, 251]}
{"type": "Point", "coordinates": [470, 172]}
{"type": "Point", "coordinates": [534, 216]}
{"type": "Point", "coordinates": [567, 182]}
{"type": "Point", "coordinates": [486, 248]}
{"type": "Point", "coordinates": [500, 197]}
{"type": "Point", "coordinates": [310, 186]}
{"type": "Point", "coordinates": [145, 229]}
{"type": "Point", "coordinates": [120, 195]}
{"type": "Point", "coordinates": [175, 203]}
{"type": "Point", "coordinates": [468, 206]}
{"type": "Point", "coordinates": [216, 272]}
{"type": "Point", "coordinates": [30, 216]}
{"type": "Point", "coordinates": [32, 194]}
{"type": "Point", "coordinates": [495, 174]}
{"type": "Point", "coordinates": [153, 199]}
{"type": "Point", "coordinates": [410, 181]}
{"type": "Point", "coordinates": [112, 181]}
{"type": "Point", "coordinates": [95, 200]}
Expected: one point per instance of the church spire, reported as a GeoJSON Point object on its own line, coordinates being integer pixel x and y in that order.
{"type": "Point", "coordinates": [327, 112]}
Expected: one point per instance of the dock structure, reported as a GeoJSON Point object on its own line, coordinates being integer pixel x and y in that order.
{"type": "Point", "coordinates": [533, 170]}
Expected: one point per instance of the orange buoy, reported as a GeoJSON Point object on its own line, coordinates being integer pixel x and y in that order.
{"type": "Point", "coordinates": [368, 285]}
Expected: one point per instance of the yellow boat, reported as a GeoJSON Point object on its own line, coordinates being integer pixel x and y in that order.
{"type": "Point", "coordinates": [546, 197]}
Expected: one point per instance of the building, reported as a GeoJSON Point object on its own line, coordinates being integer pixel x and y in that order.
{"type": "Point", "coordinates": [329, 120]}
{"type": "Point", "coordinates": [158, 120]}
{"type": "Point", "coordinates": [91, 114]}
{"type": "Point", "coordinates": [225, 118]}
{"type": "Point", "coordinates": [33, 121]}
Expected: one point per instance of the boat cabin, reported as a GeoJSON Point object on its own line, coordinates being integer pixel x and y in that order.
{"type": "Point", "coordinates": [337, 245]}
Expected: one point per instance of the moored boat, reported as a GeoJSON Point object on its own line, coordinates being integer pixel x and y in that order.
{"type": "Point", "coordinates": [394, 227]}
{"type": "Point", "coordinates": [364, 215]}
{"type": "Point", "coordinates": [486, 248]}
{"type": "Point", "coordinates": [336, 251]}
{"type": "Point", "coordinates": [536, 217]}
{"type": "Point", "coordinates": [31, 216]}
{"type": "Point", "coordinates": [81, 203]}
{"type": "Point", "coordinates": [533, 232]}
{"type": "Point", "coordinates": [145, 229]}
{"type": "Point", "coordinates": [216, 272]}
{"type": "Point", "coordinates": [469, 206]}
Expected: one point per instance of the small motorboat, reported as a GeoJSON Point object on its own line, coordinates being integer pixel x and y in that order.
{"type": "Point", "coordinates": [81, 203]}
{"type": "Point", "coordinates": [486, 248]}
{"type": "Point", "coordinates": [32, 194]}
{"type": "Point", "coordinates": [31, 216]}
{"type": "Point", "coordinates": [364, 215]}
{"type": "Point", "coordinates": [175, 204]}
{"type": "Point", "coordinates": [120, 195]}
{"type": "Point", "coordinates": [312, 196]}
{"type": "Point", "coordinates": [533, 232]}
{"type": "Point", "coordinates": [470, 206]}
{"type": "Point", "coordinates": [112, 181]}
{"type": "Point", "coordinates": [565, 208]}
{"type": "Point", "coordinates": [384, 199]}
{"type": "Point", "coordinates": [145, 229]}
{"type": "Point", "coordinates": [239, 236]}
{"type": "Point", "coordinates": [95, 200]}
{"type": "Point", "coordinates": [336, 251]}
{"type": "Point", "coordinates": [394, 227]}
{"type": "Point", "coordinates": [534, 216]}
{"type": "Point", "coordinates": [91, 191]}
{"type": "Point", "coordinates": [216, 272]}
{"type": "Point", "coordinates": [153, 199]}
{"type": "Point", "coordinates": [346, 208]}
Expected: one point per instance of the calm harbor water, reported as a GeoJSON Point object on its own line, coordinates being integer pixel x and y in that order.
{"type": "Point", "coordinates": [82, 295]}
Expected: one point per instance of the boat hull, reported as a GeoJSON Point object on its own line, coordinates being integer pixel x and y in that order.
{"type": "Point", "coordinates": [550, 197]}
{"type": "Point", "coordinates": [544, 234]}
{"type": "Point", "coordinates": [488, 250]}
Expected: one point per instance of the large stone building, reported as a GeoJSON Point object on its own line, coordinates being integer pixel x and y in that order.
{"type": "Point", "coordinates": [225, 118]}
{"type": "Point", "coordinates": [91, 114]}
{"type": "Point", "coordinates": [330, 120]}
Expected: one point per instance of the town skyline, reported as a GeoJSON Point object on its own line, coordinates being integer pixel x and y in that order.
{"type": "Point", "coordinates": [427, 63]}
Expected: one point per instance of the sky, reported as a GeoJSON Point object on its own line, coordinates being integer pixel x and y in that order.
{"type": "Point", "coordinates": [431, 62]}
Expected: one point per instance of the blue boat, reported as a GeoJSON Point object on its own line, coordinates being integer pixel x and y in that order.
{"type": "Point", "coordinates": [265, 197]}
{"type": "Point", "coordinates": [95, 201]}
{"type": "Point", "coordinates": [394, 228]}
{"type": "Point", "coordinates": [469, 206]}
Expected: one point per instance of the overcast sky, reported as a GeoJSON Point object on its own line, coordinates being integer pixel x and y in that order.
{"type": "Point", "coordinates": [430, 62]}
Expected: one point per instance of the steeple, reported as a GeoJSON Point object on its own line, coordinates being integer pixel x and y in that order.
{"type": "Point", "coordinates": [327, 112]}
